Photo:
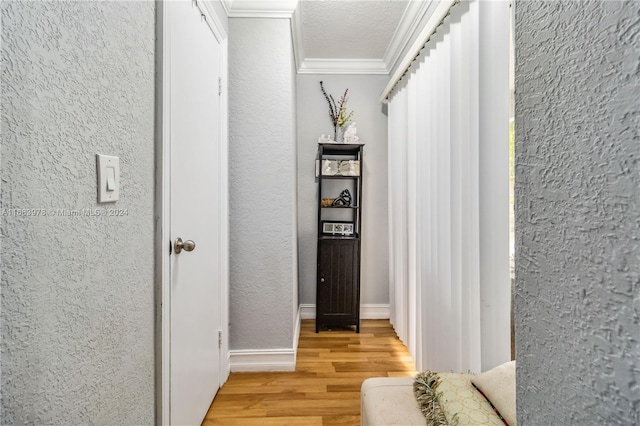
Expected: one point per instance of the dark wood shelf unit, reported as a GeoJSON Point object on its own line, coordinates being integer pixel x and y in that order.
{"type": "Point", "coordinates": [338, 273]}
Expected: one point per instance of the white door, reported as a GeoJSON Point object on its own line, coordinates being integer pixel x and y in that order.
{"type": "Point", "coordinates": [195, 213]}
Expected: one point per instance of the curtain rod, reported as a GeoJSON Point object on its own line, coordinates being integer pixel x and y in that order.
{"type": "Point", "coordinates": [435, 21]}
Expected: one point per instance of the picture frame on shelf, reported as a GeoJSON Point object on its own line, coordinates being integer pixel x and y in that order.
{"type": "Point", "coordinates": [337, 227]}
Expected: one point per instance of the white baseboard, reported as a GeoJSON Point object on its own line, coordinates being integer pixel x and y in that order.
{"type": "Point", "coordinates": [308, 311]}
{"type": "Point", "coordinates": [263, 360]}
{"type": "Point", "coordinates": [375, 311]}
{"type": "Point", "coordinates": [267, 359]}
{"type": "Point", "coordinates": [370, 311]}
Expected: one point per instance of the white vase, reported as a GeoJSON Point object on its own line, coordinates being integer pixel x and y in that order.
{"type": "Point", "coordinates": [339, 134]}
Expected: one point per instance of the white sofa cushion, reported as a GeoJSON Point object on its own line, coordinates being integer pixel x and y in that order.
{"type": "Point", "coordinates": [389, 401]}
{"type": "Point", "coordinates": [499, 386]}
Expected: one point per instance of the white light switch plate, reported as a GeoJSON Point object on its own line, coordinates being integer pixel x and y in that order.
{"type": "Point", "coordinates": [108, 178]}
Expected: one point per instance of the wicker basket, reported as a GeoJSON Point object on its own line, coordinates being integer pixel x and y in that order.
{"type": "Point", "coordinates": [326, 202]}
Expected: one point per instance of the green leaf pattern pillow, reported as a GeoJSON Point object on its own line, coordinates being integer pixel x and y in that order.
{"type": "Point", "coordinates": [451, 399]}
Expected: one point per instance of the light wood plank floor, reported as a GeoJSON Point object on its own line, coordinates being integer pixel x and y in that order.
{"type": "Point", "coordinates": [324, 389]}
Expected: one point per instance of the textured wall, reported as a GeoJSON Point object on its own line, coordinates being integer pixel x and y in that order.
{"type": "Point", "coordinates": [77, 291]}
{"type": "Point", "coordinates": [262, 182]}
{"type": "Point", "coordinates": [577, 220]}
{"type": "Point", "coordinates": [321, 33]}
{"type": "Point", "coordinates": [313, 120]}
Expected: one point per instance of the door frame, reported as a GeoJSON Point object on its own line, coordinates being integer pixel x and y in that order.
{"type": "Point", "coordinates": [162, 219]}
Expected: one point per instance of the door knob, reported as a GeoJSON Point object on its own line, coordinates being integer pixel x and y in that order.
{"type": "Point", "coordinates": [321, 280]}
{"type": "Point", "coordinates": [180, 245]}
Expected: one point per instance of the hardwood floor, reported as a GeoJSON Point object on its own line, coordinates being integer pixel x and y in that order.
{"type": "Point", "coordinates": [324, 389]}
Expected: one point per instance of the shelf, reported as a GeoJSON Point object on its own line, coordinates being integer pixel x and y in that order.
{"type": "Point", "coordinates": [338, 237]}
{"type": "Point", "coordinates": [340, 148]}
{"type": "Point", "coordinates": [340, 177]}
{"type": "Point", "coordinates": [340, 207]}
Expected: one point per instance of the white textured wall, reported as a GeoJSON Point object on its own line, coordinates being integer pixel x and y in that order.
{"type": "Point", "coordinates": [262, 181]}
{"type": "Point", "coordinates": [77, 292]}
{"type": "Point", "coordinates": [577, 212]}
{"type": "Point", "coordinates": [313, 120]}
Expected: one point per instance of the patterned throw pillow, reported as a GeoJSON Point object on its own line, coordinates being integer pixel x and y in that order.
{"type": "Point", "coordinates": [449, 399]}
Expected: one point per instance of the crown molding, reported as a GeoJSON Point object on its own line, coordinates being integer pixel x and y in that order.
{"type": "Point", "coordinates": [296, 36]}
{"type": "Point", "coordinates": [215, 22]}
{"type": "Point", "coordinates": [226, 4]}
{"type": "Point", "coordinates": [329, 66]}
{"type": "Point", "coordinates": [260, 9]}
{"type": "Point", "coordinates": [342, 66]}
{"type": "Point", "coordinates": [405, 30]}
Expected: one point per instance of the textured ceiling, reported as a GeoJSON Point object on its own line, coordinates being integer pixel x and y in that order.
{"type": "Point", "coordinates": [348, 29]}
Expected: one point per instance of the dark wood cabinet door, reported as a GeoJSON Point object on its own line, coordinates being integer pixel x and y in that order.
{"type": "Point", "coordinates": [338, 287]}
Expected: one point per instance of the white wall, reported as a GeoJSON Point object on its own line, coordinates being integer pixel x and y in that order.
{"type": "Point", "coordinates": [313, 120]}
{"type": "Point", "coordinates": [262, 178]}
{"type": "Point", "coordinates": [77, 291]}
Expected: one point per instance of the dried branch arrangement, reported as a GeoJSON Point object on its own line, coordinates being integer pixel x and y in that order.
{"type": "Point", "coordinates": [337, 112]}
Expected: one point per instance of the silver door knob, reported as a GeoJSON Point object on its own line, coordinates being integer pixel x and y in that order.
{"type": "Point", "coordinates": [180, 245]}
{"type": "Point", "coordinates": [321, 280]}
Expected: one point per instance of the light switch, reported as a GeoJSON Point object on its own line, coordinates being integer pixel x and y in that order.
{"type": "Point", "coordinates": [108, 178]}
{"type": "Point", "coordinates": [111, 179]}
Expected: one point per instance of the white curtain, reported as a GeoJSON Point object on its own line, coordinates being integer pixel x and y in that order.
{"type": "Point", "coordinates": [448, 194]}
